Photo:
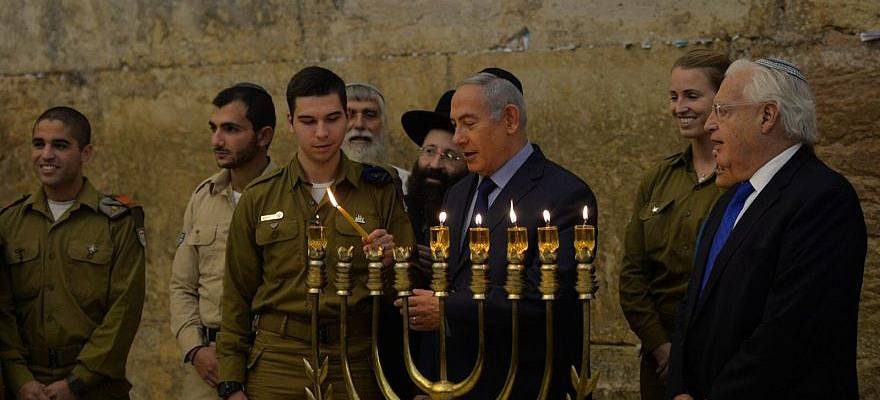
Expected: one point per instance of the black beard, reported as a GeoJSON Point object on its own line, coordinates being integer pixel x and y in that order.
{"type": "Point", "coordinates": [425, 199]}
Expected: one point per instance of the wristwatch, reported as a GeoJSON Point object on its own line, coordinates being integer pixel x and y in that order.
{"type": "Point", "coordinates": [76, 385]}
{"type": "Point", "coordinates": [228, 388]}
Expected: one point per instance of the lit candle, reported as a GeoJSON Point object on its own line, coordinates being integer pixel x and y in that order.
{"type": "Point", "coordinates": [440, 239]}
{"type": "Point", "coordinates": [517, 239]}
{"type": "Point", "coordinates": [584, 238]}
{"type": "Point", "coordinates": [548, 236]}
{"type": "Point", "coordinates": [479, 240]}
{"type": "Point", "coordinates": [345, 214]}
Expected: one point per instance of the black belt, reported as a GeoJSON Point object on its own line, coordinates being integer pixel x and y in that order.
{"type": "Point", "coordinates": [209, 335]}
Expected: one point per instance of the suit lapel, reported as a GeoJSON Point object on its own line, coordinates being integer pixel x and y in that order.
{"type": "Point", "coordinates": [705, 244]}
{"type": "Point", "coordinates": [749, 221]}
{"type": "Point", "coordinates": [522, 182]}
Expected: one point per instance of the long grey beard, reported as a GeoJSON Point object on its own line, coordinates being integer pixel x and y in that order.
{"type": "Point", "coordinates": [373, 153]}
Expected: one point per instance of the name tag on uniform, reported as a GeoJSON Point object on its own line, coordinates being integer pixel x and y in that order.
{"type": "Point", "coordinates": [272, 217]}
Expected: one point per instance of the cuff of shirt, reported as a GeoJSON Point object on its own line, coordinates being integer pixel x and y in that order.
{"type": "Point", "coordinates": [188, 339]}
{"type": "Point", "coordinates": [17, 375]}
{"type": "Point", "coordinates": [233, 368]}
{"type": "Point", "coordinates": [87, 377]}
{"type": "Point", "coordinates": [652, 336]}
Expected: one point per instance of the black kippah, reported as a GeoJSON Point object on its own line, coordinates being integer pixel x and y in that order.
{"type": "Point", "coordinates": [250, 85]}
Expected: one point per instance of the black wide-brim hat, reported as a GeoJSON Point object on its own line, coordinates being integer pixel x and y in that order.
{"type": "Point", "coordinates": [417, 123]}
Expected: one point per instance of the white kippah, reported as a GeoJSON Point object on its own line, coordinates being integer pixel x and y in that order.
{"type": "Point", "coordinates": [782, 65]}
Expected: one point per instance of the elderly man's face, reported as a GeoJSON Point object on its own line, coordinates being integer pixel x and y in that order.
{"type": "Point", "coordinates": [481, 139]}
{"type": "Point", "coordinates": [735, 132]}
{"type": "Point", "coordinates": [364, 140]}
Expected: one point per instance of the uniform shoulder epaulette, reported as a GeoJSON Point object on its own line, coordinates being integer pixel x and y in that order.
{"type": "Point", "coordinates": [673, 156]}
{"type": "Point", "coordinates": [202, 184]}
{"type": "Point", "coordinates": [14, 203]}
{"type": "Point", "coordinates": [266, 177]}
{"type": "Point", "coordinates": [376, 174]}
{"type": "Point", "coordinates": [118, 205]}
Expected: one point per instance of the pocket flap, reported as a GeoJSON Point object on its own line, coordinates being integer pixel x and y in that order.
{"type": "Point", "coordinates": [90, 252]}
{"type": "Point", "coordinates": [22, 252]}
{"type": "Point", "coordinates": [654, 208]}
{"type": "Point", "coordinates": [201, 235]}
{"type": "Point", "coordinates": [275, 231]}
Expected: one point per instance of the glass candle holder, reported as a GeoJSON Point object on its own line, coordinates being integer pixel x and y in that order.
{"type": "Point", "coordinates": [479, 243]}
{"type": "Point", "coordinates": [317, 241]}
{"type": "Point", "coordinates": [517, 243]}
{"type": "Point", "coordinates": [584, 242]}
{"type": "Point", "coordinates": [440, 242]}
{"type": "Point", "coordinates": [548, 239]}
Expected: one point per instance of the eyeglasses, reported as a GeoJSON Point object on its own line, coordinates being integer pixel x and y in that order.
{"type": "Point", "coordinates": [446, 155]}
{"type": "Point", "coordinates": [723, 110]}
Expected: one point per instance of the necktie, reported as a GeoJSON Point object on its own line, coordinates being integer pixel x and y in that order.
{"type": "Point", "coordinates": [481, 206]}
{"type": "Point", "coordinates": [733, 209]}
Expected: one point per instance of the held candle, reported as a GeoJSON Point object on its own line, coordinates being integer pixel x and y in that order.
{"type": "Point", "coordinates": [347, 216]}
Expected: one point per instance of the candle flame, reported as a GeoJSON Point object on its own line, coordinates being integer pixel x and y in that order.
{"type": "Point", "coordinates": [478, 219]}
{"type": "Point", "coordinates": [547, 216]}
{"type": "Point", "coordinates": [586, 213]}
{"type": "Point", "coordinates": [442, 217]}
{"type": "Point", "coordinates": [332, 198]}
{"type": "Point", "coordinates": [512, 214]}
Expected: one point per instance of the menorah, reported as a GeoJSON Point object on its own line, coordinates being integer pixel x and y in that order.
{"type": "Point", "coordinates": [583, 381]}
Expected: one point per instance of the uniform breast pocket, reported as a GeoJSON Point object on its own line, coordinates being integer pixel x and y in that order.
{"type": "Point", "coordinates": [24, 266]}
{"type": "Point", "coordinates": [88, 273]}
{"type": "Point", "coordinates": [209, 242]}
{"type": "Point", "coordinates": [656, 221]}
{"type": "Point", "coordinates": [282, 251]}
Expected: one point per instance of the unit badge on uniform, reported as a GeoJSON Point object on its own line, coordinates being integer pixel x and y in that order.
{"type": "Point", "coordinates": [92, 250]}
{"type": "Point", "coordinates": [272, 217]}
{"type": "Point", "coordinates": [180, 238]}
{"type": "Point", "coordinates": [360, 219]}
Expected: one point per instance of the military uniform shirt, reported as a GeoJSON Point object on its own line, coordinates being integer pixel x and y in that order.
{"type": "Point", "coordinates": [76, 283]}
{"type": "Point", "coordinates": [197, 272]}
{"type": "Point", "coordinates": [266, 253]}
{"type": "Point", "coordinates": [659, 246]}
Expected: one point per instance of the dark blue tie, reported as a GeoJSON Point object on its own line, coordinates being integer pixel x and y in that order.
{"type": "Point", "coordinates": [481, 206]}
{"type": "Point", "coordinates": [743, 190]}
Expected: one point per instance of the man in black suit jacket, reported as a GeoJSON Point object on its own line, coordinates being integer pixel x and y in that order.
{"type": "Point", "coordinates": [772, 307]}
{"type": "Point", "coordinates": [490, 118]}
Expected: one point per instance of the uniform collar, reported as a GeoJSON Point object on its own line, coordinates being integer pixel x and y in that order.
{"type": "Point", "coordinates": [222, 179]}
{"type": "Point", "coordinates": [88, 196]}
{"type": "Point", "coordinates": [347, 171]}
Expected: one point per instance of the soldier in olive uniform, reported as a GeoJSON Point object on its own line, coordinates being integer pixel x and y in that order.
{"type": "Point", "coordinates": [242, 127]}
{"type": "Point", "coordinates": [672, 202]}
{"type": "Point", "coordinates": [72, 285]}
{"type": "Point", "coordinates": [265, 309]}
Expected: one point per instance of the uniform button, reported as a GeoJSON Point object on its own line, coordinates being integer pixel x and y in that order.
{"type": "Point", "coordinates": [685, 247]}
{"type": "Point", "coordinates": [687, 213]}
{"type": "Point", "coordinates": [312, 203]}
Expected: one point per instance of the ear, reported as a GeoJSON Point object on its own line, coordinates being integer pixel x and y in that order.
{"type": "Point", "coordinates": [265, 135]}
{"type": "Point", "coordinates": [770, 117]}
{"type": "Point", "coordinates": [290, 123]}
{"type": "Point", "coordinates": [88, 153]}
{"type": "Point", "coordinates": [510, 117]}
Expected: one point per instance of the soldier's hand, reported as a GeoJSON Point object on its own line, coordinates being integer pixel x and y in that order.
{"type": "Point", "coordinates": [238, 396]}
{"type": "Point", "coordinates": [424, 310]}
{"type": "Point", "coordinates": [661, 355]}
{"type": "Point", "coordinates": [59, 390]}
{"type": "Point", "coordinates": [206, 365]}
{"type": "Point", "coordinates": [381, 238]}
{"type": "Point", "coordinates": [32, 390]}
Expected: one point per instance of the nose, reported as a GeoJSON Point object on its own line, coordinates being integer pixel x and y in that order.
{"type": "Point", "coordinates": [216, 138]}
{"type": "Point", "coordinates": [321, 130]}
{"type": "Point", "coordinates": [711, 124]}
{"type": "Point", "coordinates": [357, 120]}
{"type": "Point", "coordinates": [436, 161]}
{"type": "Point", "coordinates": [459, 136]}
{"type": "Point", "coordinates": [47, 153]}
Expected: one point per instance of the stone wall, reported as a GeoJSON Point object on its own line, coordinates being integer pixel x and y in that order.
{"type": "Point", "coordinates": [595, 76]}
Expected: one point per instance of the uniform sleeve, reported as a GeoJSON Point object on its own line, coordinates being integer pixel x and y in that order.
{"type": "Point", "coordinates": [106, 351]}
{"type": "Point", "coordinates": [635, 278]}
{"type": "Point", "coordinates": [244, 270]}
{"type": "Point", "coordinates": [11, 348]}
{"type": "Point", "coordinates": [184, 290]}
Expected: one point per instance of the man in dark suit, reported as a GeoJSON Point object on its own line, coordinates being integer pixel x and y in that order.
{"type": "Point", "coordinates": [772, 307]}
{"type": "Point", "coordinates": [490, 120]}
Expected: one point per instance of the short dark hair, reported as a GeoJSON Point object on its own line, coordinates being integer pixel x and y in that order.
{"type": "Point", "coordinates": [74, 120]}
{"type": "Point", "coordinates": [315, 81]}
{"type": "Point", "coordinates": [710, 61]}
{"type": "Point", "coordinates": [260, 108]}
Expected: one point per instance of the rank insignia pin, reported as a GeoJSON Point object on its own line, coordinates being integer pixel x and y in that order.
{"type": "Point", "coordinates": [92, 249]}
{"type": "Point", "coordinates": [360, 219]}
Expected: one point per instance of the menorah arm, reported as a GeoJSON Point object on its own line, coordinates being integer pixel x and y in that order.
{"type": "Point", "coordinates": [548, 358]}
{"type": "Point", "coordinates": [514, 352]}
{"type": "Point", "coordinates": [343, 347]}
{"type": "Point", "coordinates": [423, 383]}
{"type": "Point", "coordinates": [381, 379]}
{"type": "Point", "coordinates": [459, 389]}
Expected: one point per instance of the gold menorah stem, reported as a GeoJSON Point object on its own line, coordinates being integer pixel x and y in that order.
{"type": "Point", "coordinates": [344, 285]}
{"type": "Point", "coordinates": [548, 287]}
{"type": "Point", "coordinates": [375, 285]}
{"type": "Point", "coordinates": [316, 370]}
{"type": "Point", "coordinates": [514, 288]}
{"type": "Point", "coordinates": [585, 382]}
